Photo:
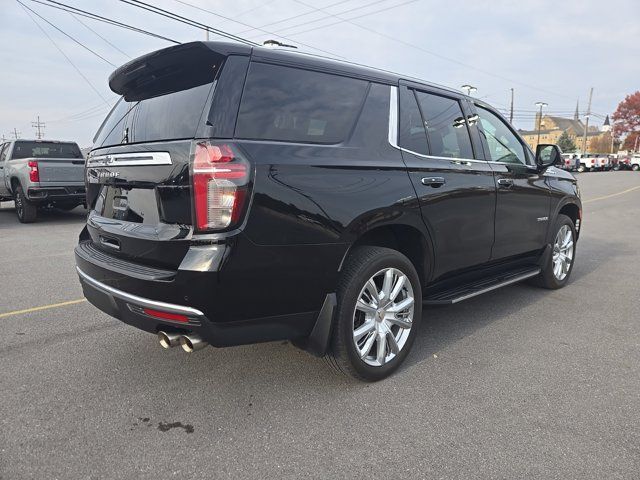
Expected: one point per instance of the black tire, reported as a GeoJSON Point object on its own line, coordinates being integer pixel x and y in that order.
{"type": "Point", "coordinates": [635, 167]}
{"type": "Point", "coordinates": [26, 211]}
{"type": "Point", "coordinates": [547, 277]}
{"type": "Point", "coordinates": [361, 265]}
{"type": "Point", "coordinates": [581, 168]}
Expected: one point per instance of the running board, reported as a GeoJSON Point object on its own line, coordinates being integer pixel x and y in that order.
{"type": "Point", "coordinates": [470, 290]}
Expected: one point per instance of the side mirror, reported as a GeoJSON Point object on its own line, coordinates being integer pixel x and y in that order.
{"type": "Point", "coordinates": [547, 155]}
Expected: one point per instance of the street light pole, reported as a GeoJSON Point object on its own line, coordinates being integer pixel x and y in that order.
{"type": "Point", "coordinates": [469, 89]}
{"type": "Point", "coordinates": [541, 105]}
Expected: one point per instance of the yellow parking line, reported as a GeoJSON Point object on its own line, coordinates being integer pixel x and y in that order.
{"type": "Point", "coordinates": [612, 195]}
{"type": "Point", "coordinates": [44, 307]}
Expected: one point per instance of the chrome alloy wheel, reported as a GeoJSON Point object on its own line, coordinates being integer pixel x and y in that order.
{"type": "Point", "coordinates": [562, 252]}
{"type": "Point", "coordinates": [383, 317]}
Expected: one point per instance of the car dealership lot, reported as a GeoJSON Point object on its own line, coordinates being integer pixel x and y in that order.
{"type": "Point", "coordinates": [518, 382]}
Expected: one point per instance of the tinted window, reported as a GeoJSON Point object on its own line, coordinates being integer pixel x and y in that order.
{"type": "Point", "coordinates": [289, 104]}
{"type": "Point", "coordinates": [503, 144]}
{"type": "Point", "coordinates": [446, 126]}
{"type": "Point", "coordinates": [45, 149]}
{"type": "Point", "coordinates": [412, 133]}
{"type": "Point", "coordinates": [167, 117]}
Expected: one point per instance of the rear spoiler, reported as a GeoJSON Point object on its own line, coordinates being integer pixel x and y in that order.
{"type": "Point", "coordinates": [172, 69]}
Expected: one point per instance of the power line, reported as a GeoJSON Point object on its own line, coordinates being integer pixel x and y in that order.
{"type": "Point", "coordinates": [66, 34]}
{"type": "Point", "coordinates": [187, 21]}
{"type": "Point", "coordinates": [340, 19]}
{"type": "Point", "coordinates": [96, 33]}
{"type": "Point", "coordinates": [292, 17]}
{"type": "Point", "coordinates": [417, 47]}
{"type": "Point", "coordinates": [255, 28]}
{"type": "Point", "coordinates": [88, 113]}
{"type": "Point", "coordinates": [62, 52]}
{"type": "Point", "coordinates": [84, 13]}
{"type": "Point", "coordinates": [253, 9]}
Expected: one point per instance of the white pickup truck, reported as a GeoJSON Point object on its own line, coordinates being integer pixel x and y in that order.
{"type": "Point", "coordinates": [41, 173]}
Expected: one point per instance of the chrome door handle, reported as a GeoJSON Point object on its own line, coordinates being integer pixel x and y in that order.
{"type": "Point", "coordinates": [461, 162]}
{"type": "Point", "coordinates": [505, 182]}
{"type": "Point", "coordinates": [434, 182]}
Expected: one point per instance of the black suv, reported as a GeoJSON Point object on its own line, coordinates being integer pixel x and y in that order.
{"type": "Point", "coordinates": [241, 195]}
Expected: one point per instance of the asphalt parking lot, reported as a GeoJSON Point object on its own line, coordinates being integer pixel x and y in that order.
{"type": "Point", "coordinates": [518, 383]}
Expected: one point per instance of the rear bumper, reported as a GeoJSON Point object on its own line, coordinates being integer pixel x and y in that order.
{"type": "Point", "coordinates": [224, 308]}
{"type": "Point", "coordinates": [69, 192]}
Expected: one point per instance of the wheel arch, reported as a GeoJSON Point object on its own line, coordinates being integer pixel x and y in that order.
{"type": "Point", "coordinates": [573, 210]}
{"type": "Point", "coordinates": [14, 183]}
{"type": "Point", "coordinates": [406, 239]}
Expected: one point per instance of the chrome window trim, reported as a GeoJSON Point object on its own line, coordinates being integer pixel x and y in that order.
{"type": "Point", "coordinates": [394, 126]}
{"type": "Point", "coordinates": [129, 159]}
{"type": "Point", "coordinates": [140, 301]}
{"type": "Point", "coordinates": [393, 117]}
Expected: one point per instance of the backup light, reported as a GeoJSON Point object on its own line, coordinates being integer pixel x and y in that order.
{"type": "Point", "coordinates": [220, 180]}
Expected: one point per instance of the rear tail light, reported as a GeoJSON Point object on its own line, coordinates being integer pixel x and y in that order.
{"type": "Point", "coordinates": [220, 179]}
{"type": "Point", "coordinates": [593, 160]}
{"type": "Point", "coordinates": [34, 174]}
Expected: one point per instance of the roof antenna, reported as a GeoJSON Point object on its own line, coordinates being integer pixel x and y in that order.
{"type": "Point", "coordinates": [276, 43]}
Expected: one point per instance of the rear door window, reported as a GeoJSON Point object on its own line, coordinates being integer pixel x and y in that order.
{"type": "Point", "coordinates": [446, 125]}
{"type": "Point", "coordinates": [295, 105]}
{"type": "Point", "coordinates": [413, 136]}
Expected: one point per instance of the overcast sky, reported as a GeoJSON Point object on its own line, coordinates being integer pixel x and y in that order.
{"type": "Point", "coordinates": [551, 51]}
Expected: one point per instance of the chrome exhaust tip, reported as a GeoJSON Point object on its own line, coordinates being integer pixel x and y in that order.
{"type": "Point", "coordinates": [191, 343]}
{"type": "Point", "coordinates": [168, 339]}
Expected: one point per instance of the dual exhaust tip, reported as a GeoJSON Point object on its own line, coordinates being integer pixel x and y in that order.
{"type": "Point", "coordinates": [189, 343]}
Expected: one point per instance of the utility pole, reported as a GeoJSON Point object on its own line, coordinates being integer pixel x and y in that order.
{"type": "Point", "coordinates": [540, 104]}
{"type": "Point", "coordinates": [16, 133]}
{"type": "Point", "coordinates": [586, 126]}
{"type": "Point", "coordinates": [613, 128]}
{"type": "Point", "coordinates": [39, 126]}
{"type": "Point", "coordinates": [511, 109]}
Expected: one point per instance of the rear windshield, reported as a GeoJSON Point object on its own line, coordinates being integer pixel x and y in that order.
{"type": "Point", "coordinates": [168, 117]}
{"type": "Point", "coordinates": [290, 104]}
{"type": "Point", "coordinates": [45, 150]}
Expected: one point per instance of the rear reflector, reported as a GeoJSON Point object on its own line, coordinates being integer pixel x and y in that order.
{"type": "Point", "coordinates": [220, 181]}
{"type": "Point", "coordinates": [174, 317]}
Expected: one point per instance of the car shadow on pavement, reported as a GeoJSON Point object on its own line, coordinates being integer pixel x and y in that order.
{"type": "Point", "coordinates": [268, 367]}
{"type": "Point", "coordinates": [8, 217]}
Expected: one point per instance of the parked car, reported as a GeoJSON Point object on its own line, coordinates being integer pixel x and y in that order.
{"type": "Point", "coordinates": [603, 162]}
{"type": "Point", "coordinates": [630, 162]}
{"type": "Point", "coordinates": [316, 201]}
{"type": "Point", "coordinates": [590, 162]}
{"type": "Point", "coordinates": [569, 162]}
{"type": "Point", "coordinates": [40, 173]}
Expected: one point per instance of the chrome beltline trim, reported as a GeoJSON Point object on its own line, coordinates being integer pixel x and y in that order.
{"type": "Point", "coordinates": [130, 159]}
{"type": "Point", "coordinates": [144, 302]}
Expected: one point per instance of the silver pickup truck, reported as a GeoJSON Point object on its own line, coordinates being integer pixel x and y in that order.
{"type": "Point", "coordinates": [41, 173]}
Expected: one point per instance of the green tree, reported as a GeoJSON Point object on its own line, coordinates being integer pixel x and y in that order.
{"type": "Point", "coordinates": [566, 143]}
